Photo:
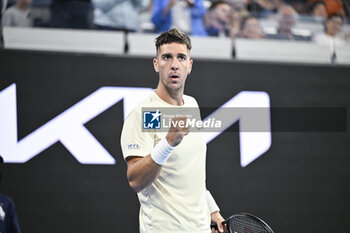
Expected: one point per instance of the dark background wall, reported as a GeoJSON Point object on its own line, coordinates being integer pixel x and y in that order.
{"type": "Point", "coordinates": [301, 184]}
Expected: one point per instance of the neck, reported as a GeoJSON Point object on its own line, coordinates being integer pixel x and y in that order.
{"type": "Point", "coordinates": [173, 97]}
{"type": "Point", "coordinates": [22, 6]}
{"type": "Point", "coordinates": [331, 33]}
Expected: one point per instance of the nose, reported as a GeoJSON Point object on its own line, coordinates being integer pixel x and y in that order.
{"type": "Point", "coordinates": [175, 65]}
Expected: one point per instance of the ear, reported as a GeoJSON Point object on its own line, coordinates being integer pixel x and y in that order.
{"type": "Point", "coordinates": [190, 67]}
{"type": "Point", "coordinates": [155, 64]}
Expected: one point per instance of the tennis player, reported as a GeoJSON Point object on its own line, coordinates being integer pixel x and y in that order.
{"type": "Point", "coordinates": [167, 169]}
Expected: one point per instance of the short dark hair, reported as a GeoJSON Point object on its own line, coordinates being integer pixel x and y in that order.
{"type": "Point", "coordinates": [216, 3]}
{"type": "Point", "coordinates": [173, 36]}
{"type": "Point", "coordinates": [314, 4]}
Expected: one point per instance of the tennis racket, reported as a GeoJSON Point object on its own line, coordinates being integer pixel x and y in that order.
{"type": "Point", "coordinates": [245, 223]}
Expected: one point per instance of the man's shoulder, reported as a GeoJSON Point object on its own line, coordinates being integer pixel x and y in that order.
{"type": "Point", "coordinates": [11, 10]}
{"type": "Point", "coordinates": [189, 100]}
{"type": "Point", "coordinates": [6, 201]}
{"type": "Point", "coordinates": [147, 102]}
{"type": "Point", "coordinates": [321, 38]}
{"type": "Point", "coordinates": [5, 198]}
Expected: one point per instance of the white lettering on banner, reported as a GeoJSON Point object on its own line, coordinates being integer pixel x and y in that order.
{"type": "Point", "coordinates": [252, 144]}
{"type": "Point", "coordinates": [68, 127]}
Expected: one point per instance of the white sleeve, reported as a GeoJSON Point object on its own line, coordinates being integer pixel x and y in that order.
{"type": "Point", "coordinates": [211, 203]}
{"type": "Point", "coordinates": [6, 19]}
{"type": "Point", "coordinates": [133, 141]}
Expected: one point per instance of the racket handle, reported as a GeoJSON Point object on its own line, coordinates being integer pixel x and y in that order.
{"type": "Point", "coordinates": [214, 225]}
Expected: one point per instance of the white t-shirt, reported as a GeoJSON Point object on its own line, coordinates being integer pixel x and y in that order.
{"type": "Point", "coordinates": [14, 17]}
{"type": "Point", "coordinates": [324, 39]}
{"type": "Point", "coordinates": [181, 16]}
{"type": "Point", "coordinates": [176, 200]}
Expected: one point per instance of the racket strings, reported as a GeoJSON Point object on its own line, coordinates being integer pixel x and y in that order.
{"type": "Point", "coordinates": [245, 225]}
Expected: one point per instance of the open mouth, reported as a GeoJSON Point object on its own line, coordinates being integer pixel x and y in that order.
{"type": "Point", "coordinates": [174, 77]}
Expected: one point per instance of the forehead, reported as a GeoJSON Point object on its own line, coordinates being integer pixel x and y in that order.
{"type": "Point", "coordinates": [288, 11]}
{"type": "Point", "coordinates": [224, 6]}
{"type": "Point", "coordinates": [320, 6]}
{"type": "Point", "coordinates": [173, 48]}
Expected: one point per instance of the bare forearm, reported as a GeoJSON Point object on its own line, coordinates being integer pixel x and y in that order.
{"type": "Point", "coordinates": [142, 172]}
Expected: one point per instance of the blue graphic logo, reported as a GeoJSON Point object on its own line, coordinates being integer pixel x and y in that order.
{"type": "Point", "coordinates": [151, 119]}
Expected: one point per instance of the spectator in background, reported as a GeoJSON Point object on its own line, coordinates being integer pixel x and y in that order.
{"type": "Point", "coordinates": [185, 15]}
{"type": "Point", "coordinates": [287, 19]}
{"type": "Point", "coordinates": [218, 19]}
{"type": "Point", "coordinates": [8, 215]}
{"type": "Point", "coordinates": [117, 14]}
{"type": "Point", "coordinates": [333, 6]}
{"type": "Point", "coordinates": [238, 4]}
{"type": "Point", "coordinates": [239, 11]}
{"type": "Point", "coordinates": [332, 34]}
{"type": "Point", "coordinates": [74, 14]}
{"type": "Point", "coordinates": [298, 5]}
{"type": "Point", "coordinates": [262, 8]}
{"type": "Point", "coordinates": [18, 15]}
{"type": "Point", "coordinates": [250, 28]}
{"type": "Point", "coordinates": [318, 11]}
{"type": "Point", "coordinates": [236, 21]}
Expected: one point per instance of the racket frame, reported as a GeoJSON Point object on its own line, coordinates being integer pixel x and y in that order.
{"type": "Point", "coordinates": [268, 228]}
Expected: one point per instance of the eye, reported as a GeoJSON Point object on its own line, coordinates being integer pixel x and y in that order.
{"type": "Point", "coordinates": [182, 57]}
{"type": "Point", "coordinates": [166, 57]}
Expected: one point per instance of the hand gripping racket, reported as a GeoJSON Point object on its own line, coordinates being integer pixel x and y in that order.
{"type": "Point", "coordinates": [245, 223]}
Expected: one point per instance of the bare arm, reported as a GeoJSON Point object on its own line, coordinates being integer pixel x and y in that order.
{"type": "Point", "coordinates": [142, 171]}
{"type": "Point", "coordinates": [218, 219]}
{"type": "Point", "coordinates": [215, 214]}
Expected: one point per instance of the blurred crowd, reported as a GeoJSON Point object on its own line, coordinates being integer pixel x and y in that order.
{"type": "Point", "coordinates": [303, 20]}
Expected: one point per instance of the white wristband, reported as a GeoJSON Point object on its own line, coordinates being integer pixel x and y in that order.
{"type": "Point", "coordinates": [211, 203]}
{"type": "Point", "coordinates": [161, 152]}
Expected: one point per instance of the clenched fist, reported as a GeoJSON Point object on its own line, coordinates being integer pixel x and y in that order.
{"type": "Point", "coordinates": [177, 131]}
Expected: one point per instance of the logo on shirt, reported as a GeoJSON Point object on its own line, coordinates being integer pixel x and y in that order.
{"type": "Point", "coordinates": [151, 119]}
{"type": "Point", "coordinates": [133, 146]}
